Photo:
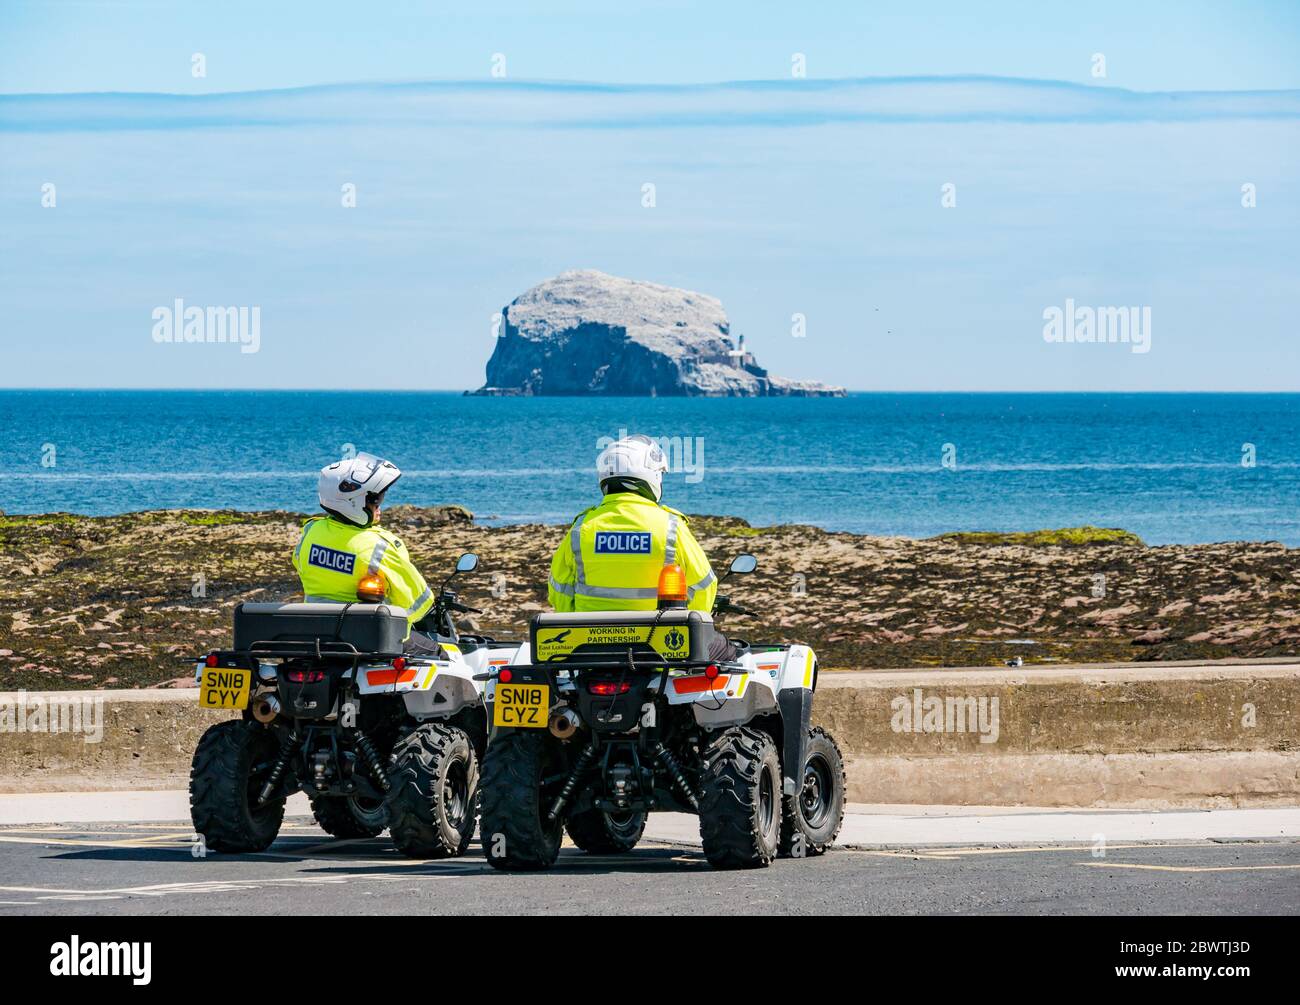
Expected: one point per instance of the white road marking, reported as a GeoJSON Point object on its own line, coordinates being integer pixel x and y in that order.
{"type": "Point", "coordinates": [128, 806]}
{"type": "Point", "coordinates": [1189, 868]}
{"type": "Point", "coordinates": [955, 853]}
{"type": "Point", "coordinates": [165, 889]}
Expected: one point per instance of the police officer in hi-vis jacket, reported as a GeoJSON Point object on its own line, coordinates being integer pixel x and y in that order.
{"type": "Point", "coordinates": [346, 546]}
{"type": "Point", "coordinates": [612, 555]}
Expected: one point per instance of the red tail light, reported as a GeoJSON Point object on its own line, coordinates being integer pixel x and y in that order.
{"type": "Point", "coordinates": [305, 676]}
{"type": "Point", "coordinates": [505, 675]}
{"type": "Point", "coordinates": [711, 671]}
{"type": "Point", "coordinates": [399, 663]}
{"type": "Point", "coordinates": [211, 659]}
{"type": "Point", "coordinates": [607, 689]}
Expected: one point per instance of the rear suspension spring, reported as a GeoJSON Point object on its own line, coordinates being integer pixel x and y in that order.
{"type": "Point", "coordinates": [372, 760]}
{"type": "Point", "coordinates": [287, 750]}
{"type": "Point", "coordinates": [579, 769]}
{"type": "Point", "coordinates": [665, 757]}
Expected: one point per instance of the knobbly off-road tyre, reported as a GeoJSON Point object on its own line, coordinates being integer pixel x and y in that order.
{"type": "Point", "coordinates": [347, 817]}
{"type": "Point", "coordinates": [599, 833]}
{"type": "Point", "coordinates": [229, 768]}
{"type": "Point", "coordinates": [812, 817]}
{"type": "Point", "coordinates": [740, 805]}
{"type": "Point", "coordinates": [433, 801]}
{"type": "Point", "coordinates": [515, 833]}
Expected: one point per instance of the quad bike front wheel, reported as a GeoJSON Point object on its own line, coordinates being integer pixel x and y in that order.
{"type": "Point", "coordinates": [516, 834]}
{"type": "Point", "coordinates": [740, 805]}
{"type": "Point", "coordinates": [231, 764]}
{"type": "Point", "coordinates": [433, 801]}
{"type": "Point", "coordinates": [811, 818]}
{"type": "Point", "coordinates": [599, 833]}
{"type": "Point", "coordinates": [350, 816]}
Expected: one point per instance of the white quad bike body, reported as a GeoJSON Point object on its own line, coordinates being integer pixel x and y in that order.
{"type": "Point", "coordinates": [744, 689]}
{"type": "Point", "coordinates": [331, 705]}
{"type": "Point", "coordinates": [616, 714]}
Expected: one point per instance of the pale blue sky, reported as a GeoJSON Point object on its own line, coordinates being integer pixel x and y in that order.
{"type": "Point", "coordinates": [79, 45]}
{"type": "Point", "coordinates": [820, 197]}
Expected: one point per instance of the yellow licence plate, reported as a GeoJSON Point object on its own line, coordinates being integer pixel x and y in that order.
{"type": "Point", "coordinates": [521, 705]}
{"type": "Point", "coordinates": [224, 687]}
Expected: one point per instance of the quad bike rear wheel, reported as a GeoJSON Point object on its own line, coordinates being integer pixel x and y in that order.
{"type": "Point", "coordinates": [350, 816]}
{"type": "Point", "coordinates": [740, 805]}
{"type": "Point", "coordinates": [514, 830]}
{"type": "Point", "coordinates": [811, 818]}
{"type": "Point", "coordinates": [433, 801]}
{"type": "Point", "coordinates": [231, 764]}
{"type": "Point", "coordinates": [600, 833]}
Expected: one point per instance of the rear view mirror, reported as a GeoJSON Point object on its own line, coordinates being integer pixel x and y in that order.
{"type": "Point", "coordinates": [467, 562]}
{"type": "Point", "coordinates": [744, 563]}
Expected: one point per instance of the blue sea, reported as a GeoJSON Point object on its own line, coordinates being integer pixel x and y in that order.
{"type": "Point", "coordinates": [1173, 468]}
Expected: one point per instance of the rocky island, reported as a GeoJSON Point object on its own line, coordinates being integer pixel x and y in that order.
{"type": "Point", "coordinates": [588, 333]}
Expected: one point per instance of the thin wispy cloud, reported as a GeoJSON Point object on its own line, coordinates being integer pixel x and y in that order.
{"type": "Point", "coordinates": [743, 104]}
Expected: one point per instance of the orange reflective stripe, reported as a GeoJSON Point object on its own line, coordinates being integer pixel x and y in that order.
{"type": "Point", "coordinates": [387, 675]}
{"type": "Point", "coordinates": [696, 684]}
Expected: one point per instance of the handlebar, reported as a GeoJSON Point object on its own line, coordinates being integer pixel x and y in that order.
{"type": "Point", "coordinates": [725, 605]}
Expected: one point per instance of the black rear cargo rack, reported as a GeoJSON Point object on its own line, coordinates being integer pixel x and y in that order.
{"type": "Point", "coordinates": [316, 649]}
{"type": "Point", "coordinates": [321, 630]}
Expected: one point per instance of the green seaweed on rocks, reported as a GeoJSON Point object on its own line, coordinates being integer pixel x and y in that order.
{"type": "Point", "coordinates": [1071, 537]}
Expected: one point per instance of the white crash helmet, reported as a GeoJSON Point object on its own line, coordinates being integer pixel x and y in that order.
{"type": "Point", "coordinates": [349, 488]}
{"type": "Point", "coordinates": [636, 456]}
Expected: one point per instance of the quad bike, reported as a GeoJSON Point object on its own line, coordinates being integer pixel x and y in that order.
{"type": "Point", "coordinates": [604, 717]}
{"type": "Point", "coordinates": [331, 707]}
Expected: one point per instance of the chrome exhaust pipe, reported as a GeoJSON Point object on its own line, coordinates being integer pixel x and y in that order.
{"type": "Point", "coordinates": [266, 707]}
{"type": "Point", "coordinates": [564, 724]}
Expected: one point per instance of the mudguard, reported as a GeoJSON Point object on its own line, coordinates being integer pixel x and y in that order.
{"type": "Point", "coordinates": [796, 720]}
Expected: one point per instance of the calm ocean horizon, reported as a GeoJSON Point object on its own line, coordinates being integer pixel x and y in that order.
{"type": "Point", "coordinates": [1171, 467]}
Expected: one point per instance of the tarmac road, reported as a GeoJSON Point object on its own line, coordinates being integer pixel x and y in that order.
{"type": "Point", "coordinates": [148, 868]}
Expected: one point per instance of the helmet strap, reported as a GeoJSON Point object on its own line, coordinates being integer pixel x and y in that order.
{"type": "Point", "coordinates": [342, 519]}
{"type": "Point", "coordinates": [636, 485]}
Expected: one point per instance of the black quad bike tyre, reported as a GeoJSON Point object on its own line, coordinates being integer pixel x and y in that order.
{"type": "Point", "coordinates": [600, 833]}
{"type": "Point", "coordinates": [433, 801]}
{"type": "Point", "coordinates": [515, 833]}
{"type": "Point", "coordinates": [349, 817]}
{"type": "Point", "coordinates": [812, 817]}
{"type": "Point", "coordinates": [230, 766]}
{"type": "Point", "coordinates": [740, 804]}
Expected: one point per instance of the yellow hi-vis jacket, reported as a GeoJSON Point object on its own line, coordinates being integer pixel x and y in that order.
{"type": "Point", "coordinates": [332, 556]}
{"type": "Point", "coordinates": [612, 555]}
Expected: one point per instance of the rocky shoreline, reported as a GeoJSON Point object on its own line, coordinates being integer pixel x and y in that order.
{"type": "Point", "coordinates": [120, 601]}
